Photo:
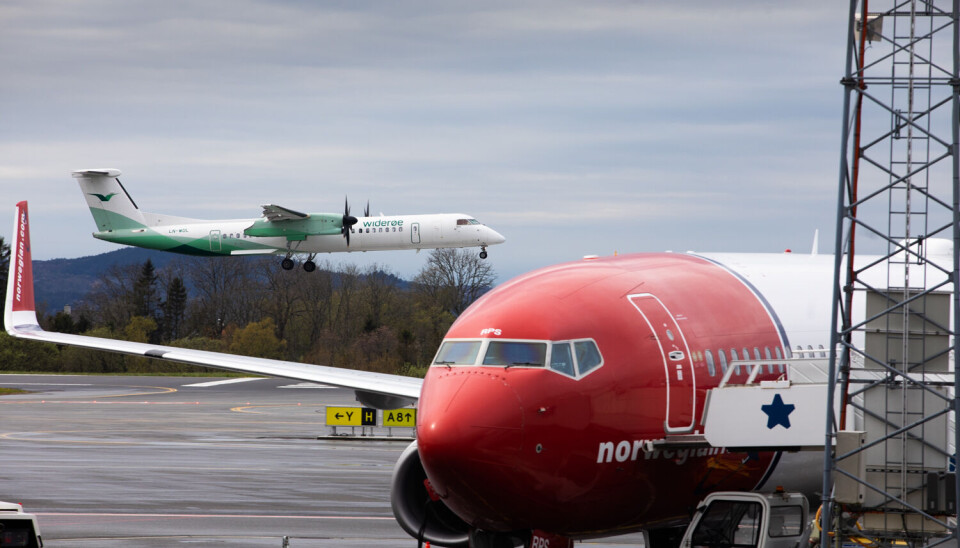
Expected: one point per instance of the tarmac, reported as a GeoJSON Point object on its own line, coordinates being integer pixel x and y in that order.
{"type": "Point", "coordinates": [111, 461]}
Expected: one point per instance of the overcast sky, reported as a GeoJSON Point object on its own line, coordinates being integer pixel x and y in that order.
{"type": "Point", "coordinates": [571, 127]}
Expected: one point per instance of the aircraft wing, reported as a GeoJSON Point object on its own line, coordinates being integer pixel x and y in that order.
{"type": "Point", "coordinates": [373, 389]}
{"type": "Point", "coordinates": [273, 212]}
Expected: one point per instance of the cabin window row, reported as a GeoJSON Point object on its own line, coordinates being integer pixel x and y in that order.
{"type": "Point", "coordinates": [717, 358]}
{"type": "Point", "coordinates": [375, 230]}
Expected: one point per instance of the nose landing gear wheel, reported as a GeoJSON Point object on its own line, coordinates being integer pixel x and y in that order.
{"type": "Point", "coordinates": [287, 264]}
{"type": "Point", "coordinates": [483, 253]}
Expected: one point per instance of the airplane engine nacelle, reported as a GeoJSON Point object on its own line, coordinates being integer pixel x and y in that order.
{"type": "Point", "coordinates": [424, 519]}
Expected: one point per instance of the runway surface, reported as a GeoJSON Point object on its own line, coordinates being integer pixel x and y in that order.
{"type": "Point", "coordinates": [165, 461]}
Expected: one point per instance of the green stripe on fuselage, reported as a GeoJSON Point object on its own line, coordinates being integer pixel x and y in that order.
{"type": "Point", "coordinates": [150, 239]}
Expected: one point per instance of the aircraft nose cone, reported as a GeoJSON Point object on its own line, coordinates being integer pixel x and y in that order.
{"type": "Point", "coordinates": [494, 237]}
{"type": "Point", "coordinates": [469, 437]}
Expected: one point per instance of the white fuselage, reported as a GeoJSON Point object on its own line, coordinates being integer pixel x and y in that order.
{"type": "Point", "coordinates": [396, 232]}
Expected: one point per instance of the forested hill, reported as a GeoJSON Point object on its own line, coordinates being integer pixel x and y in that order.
{"type": "Point", "coordinates": [60, 282]}
{"type": "Point", "coordinates": [339, 315]}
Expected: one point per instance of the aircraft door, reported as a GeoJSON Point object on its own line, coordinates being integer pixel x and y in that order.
{"type": "Point", "coordinates": [214, 240]}
{"type": "Point", "coordinates": [677, 363]}
{"type": "Point", "coordinates": [415, 233]}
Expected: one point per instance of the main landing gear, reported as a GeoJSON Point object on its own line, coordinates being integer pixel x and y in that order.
{"type": "Point", "coordinates": [287, 264]}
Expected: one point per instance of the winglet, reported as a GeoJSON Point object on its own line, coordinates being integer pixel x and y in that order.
{"type": "Point", "coordinates": [20, 310]}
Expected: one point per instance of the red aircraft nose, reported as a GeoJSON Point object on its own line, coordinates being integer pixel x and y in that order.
{"type": "Point", "coordinates": [469, 438]}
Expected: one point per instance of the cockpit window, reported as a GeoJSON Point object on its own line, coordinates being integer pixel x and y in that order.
{"type": "Point", "coordinates": [458, 353]}
{"type": "Point", "coordinates": [463, 222]}
{"type": "Point", "coordinates": [573, 358]}
{"type": "Point", "coordinates": [588, 356]}
{"type": "Point", "coordinates": [515, 353]}
{"type": "Point", "coordinates": [561, 359]}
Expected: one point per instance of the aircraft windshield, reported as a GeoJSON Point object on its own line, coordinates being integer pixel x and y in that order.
{"type": "Point", "coordinates": [463, 222]}
{"type": "Point", "coordinates": [570, 358]}
{"type": "Point", "coordinates": [458, 353]}
{"type": "Point", "coordinates": [515, 353]}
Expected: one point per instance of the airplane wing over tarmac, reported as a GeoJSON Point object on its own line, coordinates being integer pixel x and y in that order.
{"type": "Point", "coordinates": [378, 390]}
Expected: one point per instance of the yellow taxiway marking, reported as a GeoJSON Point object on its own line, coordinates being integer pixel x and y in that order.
{"type": "Point", "coordinates": [162, 390]}
{"type": "Point", "coordinates": [247, 408]}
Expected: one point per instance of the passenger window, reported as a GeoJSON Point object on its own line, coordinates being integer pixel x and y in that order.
{"type": "Point", "coordinates": [822, 353]}
{"type": "Point", "coordinates": [588, 356]}
{"type": "Point", "coordinates": [734, 357]}
{"type": "Point", "coordinates": [723, 360]}
{"type": "Point", "coordinates": [561, 359]}
{"type": "Point", "coordinates": [515, 353]}
{"type": "Point", "coordinates": [766, 353]}
{"type": "Point", "coordinates": [711, 367]}
{"type": "Point", "coordinates": [458, 353]}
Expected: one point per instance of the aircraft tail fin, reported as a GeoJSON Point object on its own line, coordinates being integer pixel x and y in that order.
{"type": "Point", "coordinates": [20, 309]}
{"type": "Point", "coordinates": [111, 205]}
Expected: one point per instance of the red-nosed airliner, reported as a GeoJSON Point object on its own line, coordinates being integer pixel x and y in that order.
{"type": "Point", "coordinates": [536, 415]}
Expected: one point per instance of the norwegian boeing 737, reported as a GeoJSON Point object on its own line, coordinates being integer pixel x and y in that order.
{"type": "Point", "coordinates": [568, 403]}
{"type": "Point", "coordinates": [279, 230]}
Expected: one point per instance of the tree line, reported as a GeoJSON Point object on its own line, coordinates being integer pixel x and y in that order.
{"type": "Point", "coordinates": [339, 315]}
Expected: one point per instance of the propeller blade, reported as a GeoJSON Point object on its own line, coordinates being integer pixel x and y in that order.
{"type": "Point", "coordinates": [366, 210]}
{"type": "Point", "coordinates": [347, 221]}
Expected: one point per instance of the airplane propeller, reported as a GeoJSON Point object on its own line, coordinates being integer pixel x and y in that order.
{"type": "Point", "coordinates": [366, 210]}
{"type": "Point", "coordinates": [348, 221]}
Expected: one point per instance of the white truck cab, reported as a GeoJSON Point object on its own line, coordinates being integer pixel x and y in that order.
{"type": "Point", "coordinates": [730, 519]}
{"type": "Point", "coordinates": [17, 528]}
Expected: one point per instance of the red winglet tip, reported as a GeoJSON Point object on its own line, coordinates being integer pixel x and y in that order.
{"type": "Point", "coordinates": [21, 264]}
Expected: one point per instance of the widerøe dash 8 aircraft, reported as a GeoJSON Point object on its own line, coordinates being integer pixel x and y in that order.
{"type": "Point", "coordinates": [535, 416]}
{"type": "Point", "coordinates": [279, 230]}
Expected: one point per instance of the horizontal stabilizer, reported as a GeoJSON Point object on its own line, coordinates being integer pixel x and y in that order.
{"type": "Point", "coordinates": [107, 172]}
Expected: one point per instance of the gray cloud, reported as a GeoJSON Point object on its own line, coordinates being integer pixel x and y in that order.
{"type": "Point", "coordinates": [569, 126]}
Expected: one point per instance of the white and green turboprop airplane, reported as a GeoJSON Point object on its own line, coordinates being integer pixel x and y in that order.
{"type": "Point", "coordinates": [278, 231]}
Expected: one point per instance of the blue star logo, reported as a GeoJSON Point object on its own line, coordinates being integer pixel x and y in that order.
{"type": "Point", "coordinates": [778, 412]}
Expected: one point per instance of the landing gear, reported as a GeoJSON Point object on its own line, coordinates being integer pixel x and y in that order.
{"type": "Point", "coordinates": [309, 266]}
{"type": "Point", "coordinates": [483, 252]}
{"type": "Point", "coordinates": [286, 263]}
